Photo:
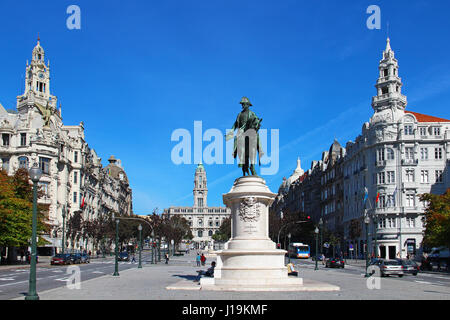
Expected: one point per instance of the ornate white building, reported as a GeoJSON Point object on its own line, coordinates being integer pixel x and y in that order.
{"type": "Point", "coordinates": [72, 172]}
{"type": "Point", "coordinates": [204, 220]}
{"type": "Point", "coordinates": [399, 155]}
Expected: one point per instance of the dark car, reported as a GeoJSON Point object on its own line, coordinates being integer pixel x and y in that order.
{"type": "Point", "coordinates": [123, 256]}
{"type": "Point", "coordinates": [76, 258]}
{"type": "Point", "coordinates": [85, 258]}
{"type": "Point", "coordinates": [409, 266]}
{"type": "Point", "coordinates": [60, 259]}
{"type": "Point", "coordinates": [389, 267]}
{"type": "Point", "coordinates": [335, 263]}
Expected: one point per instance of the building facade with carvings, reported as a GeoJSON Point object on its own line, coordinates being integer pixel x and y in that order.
{"type": "Point", "coordinates": [203, 220]}
{"type": "Point", "coordinates": [73, 176]}
{"type": "Point", "coordinates": [399, 155]}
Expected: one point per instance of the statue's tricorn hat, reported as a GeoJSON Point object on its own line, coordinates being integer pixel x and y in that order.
{"type": "Point", "coordinates": [245, 100]}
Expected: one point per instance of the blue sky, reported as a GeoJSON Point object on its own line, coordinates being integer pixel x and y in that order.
{"type": "Point", "coordinates": [138, 70]}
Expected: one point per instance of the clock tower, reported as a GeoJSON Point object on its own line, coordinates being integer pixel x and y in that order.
{"type": "Point", "coordinates": [37, 85]}
{"type": "Point", "coordinates": [200, 187]}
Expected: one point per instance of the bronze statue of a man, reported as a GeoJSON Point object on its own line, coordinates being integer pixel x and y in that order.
{"type": "Point", "coordinates": [246, 141]}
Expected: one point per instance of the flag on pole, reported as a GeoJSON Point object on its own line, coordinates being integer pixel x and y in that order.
{"type": "Point", "coordinates": [366, 194]}
{"type": "Point", "coordinates": [378, 197]}
{"type": "Point", "coordinates": [82, 202]}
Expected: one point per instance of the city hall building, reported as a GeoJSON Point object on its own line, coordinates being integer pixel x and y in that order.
{"type": "Point", "coordinates": [203, 220]}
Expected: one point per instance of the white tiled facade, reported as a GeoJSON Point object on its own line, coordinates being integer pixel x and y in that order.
{"type": "Point", "coordinates": [399, 155]}
{"type": "Point", "coordinates": [35, 133]}
{"type": "Point", "coordinates": [204, 220]}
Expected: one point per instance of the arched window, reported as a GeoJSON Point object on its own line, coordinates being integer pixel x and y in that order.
{"type": "Point", "coordinates": [23, 162]}
{"type": "Point", "coordinates": [200, 233]}
{"type": "Point", "coordinates": [210, 233]}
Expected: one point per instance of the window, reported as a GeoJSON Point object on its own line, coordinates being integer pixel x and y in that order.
{"type": "Point", "coordinates": [382, 223]}
{"type": "Point", "coordinates": [210, 223]}
{"type": "Point", "coordinates": [409, 153]}
{"type": "Point", "coordinates": [390, 154]}
{"type": "Point", "coordinates": [200, 202]}
{"type": "Point", "coordinates": [200, 222]}
{"type": "Point", "coordinates": [44, 164]}
{"type": "Point", "coordinates": [74, 197]}
{"type": "Point", "coordinates": [390, 201]}
{"type": "Point", "coordinates": [217, 223]}
{"type": "Point", "coordinates": [384, 90]}
{"type": "Point", "coordinates": [382, 201]}
{"type": "Point", "coordinates": [5, 165]}
{"type": "Point", "coordinates": [380, 155]}
{"type": "Point", "coordinates": [23, 162]}
{"type": "Point", "coordinates": [380, 178]}
{"type": "Point", "coordinates": [409, 175]}
{"type": "Point", "coordinates": [210, 233]}
{"type": "Point", "coordinates": [410, 200]}
{"type": "Point", "coordinates": [410, 222]}
{"type": "Point", "coordinates": [44, 188]}
{"type": "Point", "coordinates": [424, 153]}
{"type": "Point", "coordinates": [75, 177]}
{"type": "Point", "coordinates": [439, 176]}
{"type": "Point", "coordinates": [75, 156]}
{"type": "Point", "coordinates": [390, 222]}
{"type": "Point", "coordinates": [423, 131]}
{"type": "Point", "coordinates": [391, 177]}
{"type": "Point", "coordinates": [437, 131]}
{"type": "Point", "coordinates": [438, 153]}
{"type": "Point", "coordinates": [409, 129]}
{"type": "Point", "coordinates": [200, 233]}
{"type": "Point", "coordinates": [23, 139]}
{"type": "Point", "coordinates": [424, 178]}
{"type": "Point", "coordinates": [5, 139]}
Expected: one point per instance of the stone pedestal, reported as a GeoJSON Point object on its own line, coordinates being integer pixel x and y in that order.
{"type": "Point", "coordinates": [250, 259]}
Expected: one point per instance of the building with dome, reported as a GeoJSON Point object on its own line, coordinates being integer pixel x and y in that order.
{"type": "Point", "coordinates": [398, 156]}
{"type": "Point", "coordinates": [203, 220]}
{"type": "Point", "coordinates": [73, 176]}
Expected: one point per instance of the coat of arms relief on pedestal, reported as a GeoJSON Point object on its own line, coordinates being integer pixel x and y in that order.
{"type": "Point", "coordinates": [249, 209]}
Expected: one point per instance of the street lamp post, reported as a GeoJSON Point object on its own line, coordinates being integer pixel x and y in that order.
{"type": "Point", "coordinates": [172, 242]}
{"type": "Point", "coordinates": [116, 266]}
{"type": "Point", "coordinates": [316, 231]}
{"type": "Point", "coordinates": [153, 247]}
{"type": "Point", "coordinates": [140, 246]}
{"type": "Point", "coordinates": [375, 223]}
{"type": "Point", "coordinates": [367, 221]}
{"type": "Point", "coordinates": [63, 229]}
{"type": "Point", "coordinates": [159, 249]}
{"type": "Point", "coordinates": [321, 234]}
{"type": "Point", "coordinates": [35, 175]}
{"type": "Point", "coordinates": [289, 245]}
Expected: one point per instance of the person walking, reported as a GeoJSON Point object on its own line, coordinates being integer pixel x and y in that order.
{"type": "Point", "coordinates": [323, 259]}
{"type": "Point", "coordinates": [203, 259]}
{"type": "Point", "coordinates": [198, 259]}
{"type": "Point", "coordinates": [167, 258]}
{"type": "Point", "coordinates": [133, 258]}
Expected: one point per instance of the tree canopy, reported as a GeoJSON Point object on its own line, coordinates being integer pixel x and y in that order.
{"type": "Point", "coordinates": [437, 219]}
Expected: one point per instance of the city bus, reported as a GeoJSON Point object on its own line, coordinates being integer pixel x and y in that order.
{"type": "Point", "coordinates": [299, 250]}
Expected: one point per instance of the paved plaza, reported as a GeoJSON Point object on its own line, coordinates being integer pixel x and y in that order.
{"type": "Point", "coordinates": [152, 283]}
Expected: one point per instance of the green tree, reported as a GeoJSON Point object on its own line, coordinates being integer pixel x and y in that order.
{"type": "Point", "coordinates": [224, 232]}
{"type": "Point", "coordinates": [437, 219]}
{"type": "Point", "coordinates": [16, 209]}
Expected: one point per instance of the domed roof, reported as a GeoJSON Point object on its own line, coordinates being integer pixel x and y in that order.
{"type": "Point", "coordinates": [298, 172]}
{"type": "Point", "coordinates": [200, 167]}
{"type": "Point", "coordinates": [284, 188]}
{"type": "Point", "coordinates": [115, 171]}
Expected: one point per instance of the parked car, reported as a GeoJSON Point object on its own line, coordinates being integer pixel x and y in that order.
{"type": "Point", "coordinates": [335, 263]}
{"type": "Point", "coordinates": [76, 258]}
{"type": "Point", "coordinates": [389, 267]}
{"type": "Point", "coordinates": [61, 258]}
{"type": "Point", "coordinates": [409, 266]}
{"type": "Point", "coordinates": [85, 258]}
{"type": "Point", "coordinates": [123, 256]}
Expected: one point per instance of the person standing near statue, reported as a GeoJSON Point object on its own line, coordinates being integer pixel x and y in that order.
{"type": "Point", "coordinates": [246, 141]}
